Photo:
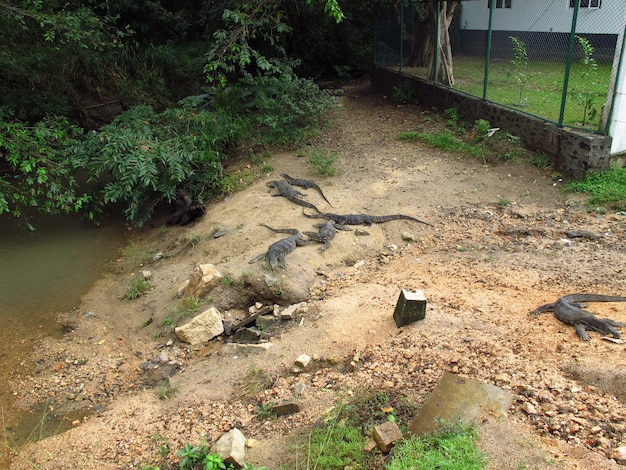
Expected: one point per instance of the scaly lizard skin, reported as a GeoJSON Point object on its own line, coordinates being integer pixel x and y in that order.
{"type": "Point", "coordinates": [286, 190]}
{"type": "Point", "coordinates": [278, 250]}
{"type": "Point", "coordinates": [363, 219]}
{"type": "Point", "coordinates": [326, 233]}
{"type": "Point", "coordinates": [569, 310]}
{"type": "Point", "coordinates": [306, 184]}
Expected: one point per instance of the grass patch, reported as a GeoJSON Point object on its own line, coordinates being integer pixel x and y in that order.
{"type": "Point", "coordinates": [453, 448]}
{"type": "Point", "coordinates": [323, 163]}
{"type": "Point", "coordinates": [188, 306]}
{"type": "Point", "coordinates": [254, 382]}
{"type": "Point", "coordinates": [137, 287]}
{"type": "Point", "coordinates": [607, 188]}
{"type": "Point", "coordinates": [447, 142]}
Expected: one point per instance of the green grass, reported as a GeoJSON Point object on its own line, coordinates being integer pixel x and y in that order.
{"type": "Point", "coordinates": [542, 95]}
{"type": "Point", "coordinates": [452, 448]}
{"type": "Point", "coordinates": [137, 287]}
{"type": "Point", "coordinates": [323, 163]}
{"type": "Point", "coordinates": [447, 142]}
{"type": "Point", "coordinates": [607, 188]}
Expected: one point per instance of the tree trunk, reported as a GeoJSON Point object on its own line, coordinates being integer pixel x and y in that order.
{"type": "Point", "coordinates": [423, 53]}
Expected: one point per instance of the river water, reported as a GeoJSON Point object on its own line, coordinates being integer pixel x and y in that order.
{"type": "Point", "coordinates": [42, 274]}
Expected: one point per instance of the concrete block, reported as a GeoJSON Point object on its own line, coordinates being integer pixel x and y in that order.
{"type": "Point", "coordinates": [411, 306]}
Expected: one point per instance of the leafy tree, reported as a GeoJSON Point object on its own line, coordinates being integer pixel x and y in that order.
{"type": "Point", "coordinates": [252, 39]}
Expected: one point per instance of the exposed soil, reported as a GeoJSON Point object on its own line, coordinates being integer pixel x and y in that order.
{"type": "Point", "coordinates": [498, 248]}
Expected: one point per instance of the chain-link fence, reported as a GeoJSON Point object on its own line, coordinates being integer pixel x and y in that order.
{"type": "Point", "coordinates": [554, 59]}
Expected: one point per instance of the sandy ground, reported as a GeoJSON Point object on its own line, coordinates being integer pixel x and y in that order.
{"type": "Point", "coordinates": [497, 249]}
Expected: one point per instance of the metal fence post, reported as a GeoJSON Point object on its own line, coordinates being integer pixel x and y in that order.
{"type": "Point", "coordinates": [568, 63]}
{"type": "Point", "coordinates": [401, 35]}
{"type": "Point", "coordinates": [436, 62]}
{"type": "Point", "coordinates": [488, 50]}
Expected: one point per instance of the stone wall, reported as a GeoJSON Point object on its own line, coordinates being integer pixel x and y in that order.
{"type": "Point", "coordinates": [573, 152]}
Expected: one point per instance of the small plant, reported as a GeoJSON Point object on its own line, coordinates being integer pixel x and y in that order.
{"type": "Point", "coordinates": [191, 456]}
{"type": "Point", "coordinates": [589, 75]}
{"type": "Point", "coordinates": [138, 287]}
{"type": "Point", "coordinates": [266, 169]}
{"type": "Point", "coordinates": [227, 281]}
{"type": "Point", "coordinates": [519, 63]}
{"type": "Point", "coordinates": [255, 381]}
{"type": "Point", "coordinates": [405, 94]}
{"type": "Point", "coordinates": [481, 129]}
{"type": "Point", "coordinates": [504, 202]}
{"type": "Point", "coordinates": [323, 164]}
{"type": "Point", "coordinates": [166, 390]}
{"type": "Point", "coordinates": [194, 239]}
{"type": "Point", "coordinates": [214, 462]}
{"type": "Point", "coordinates": [265, 411]}
{"type": "Point", "coordinates": [452, 114]}
{"type": "Point", "coordinates": [167, 321]}
{"type": "Point", "coordinates": [187, 306]}
{"type": "Point", "coordinates": [540, 160]}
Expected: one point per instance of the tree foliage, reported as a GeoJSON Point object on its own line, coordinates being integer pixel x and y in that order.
{"type": "Point", "coordinates": [78, 59]}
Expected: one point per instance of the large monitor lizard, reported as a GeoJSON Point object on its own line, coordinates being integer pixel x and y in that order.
{"type": "Point", "coordinates": [569, 310]}
{"type": "Point", "coordinates": [306, 184]}
{"type": "Point", "coordinates": [278, 250]}
{"type": "Point", "coordinates": [362, 219]}
{"type": "Point", "coordinates": [286, 190]}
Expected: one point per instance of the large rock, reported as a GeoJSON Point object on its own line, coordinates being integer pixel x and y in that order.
{"type": "Point", "coordinates": [201, 328]}
{"type": "Point", "coordinates": [205, 277]}
{"type": "Point", "coordinates": [459, 399]}
{"type": "Point", "coordinates": [232, 448]}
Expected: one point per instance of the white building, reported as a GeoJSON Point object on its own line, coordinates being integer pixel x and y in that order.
{"type": "Point", "coordinates": [545, 26]}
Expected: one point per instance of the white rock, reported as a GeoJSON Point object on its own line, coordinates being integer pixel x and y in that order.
{"type": "Point", "coordinates": [619, 455]}
{"type": "Point", "coordinates": [201, 328]}
{"type": "Point", "coordinates": [232, 448]}
{"type": "Point", "coordinates": [529, 408]}
{"type": "Point", "coordinates": [303, 361]}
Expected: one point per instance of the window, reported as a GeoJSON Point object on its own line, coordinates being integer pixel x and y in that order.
{"type": "Point", "coordinates": [502, 3]}
{"type": "Point", "coordinates": [586, 3]}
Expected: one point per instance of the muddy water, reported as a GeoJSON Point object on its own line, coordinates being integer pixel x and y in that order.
{"type": "Point", "coordinates": [42, 274]}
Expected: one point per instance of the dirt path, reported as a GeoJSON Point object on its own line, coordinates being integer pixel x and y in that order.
{"type": "Point", "coordinates": [497, 249]}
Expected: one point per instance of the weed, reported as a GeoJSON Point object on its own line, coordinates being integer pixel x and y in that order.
{"type": "Point", "coordinates": [453, 117]}
{"type": "Point", "coordinates": [540, 160]}
{"type": "Point", "coordinates": [167, 390]}
{"type": "Point", "coordinates": [266, 169]}
{"type": "Point", "coordinates": [255, 381]}
{"type": "Point", "coordinates": [411, 136]}
{"type": "Point", "coordinates": [227, 281]}
{"type": "Point", "coordinates": [167, 321]}
{"type": "Point", "coordinates": [187, 306]}
{"type": "Point", "coordinates": [138, 286]}
{"type": "Point", "coordinates": [504, 202]}
{"type": "Point", "coordinates": [265, 411]}
{"type": "Point", "coordinates": [404, 93]}
{"type": "Point", "coordinates": [481, 129]}
{"type": "Point", "coordinates": [605, 187]}
{"type": "Point", "coordinates": [323, 164]}
{"type": "Point", "coordinates": [194, 239]}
